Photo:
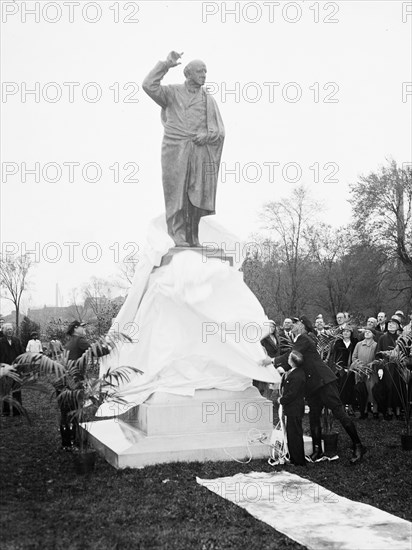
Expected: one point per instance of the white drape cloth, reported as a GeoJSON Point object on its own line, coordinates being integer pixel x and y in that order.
{"type": "Point", "coordinates": [195, 323]}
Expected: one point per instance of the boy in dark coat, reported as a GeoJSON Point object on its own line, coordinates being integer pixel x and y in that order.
{"type": "Point", "coordinates": [292, 399]}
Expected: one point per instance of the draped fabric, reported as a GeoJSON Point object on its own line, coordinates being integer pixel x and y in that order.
{"type": "Point", "coordinates": [195, 323]}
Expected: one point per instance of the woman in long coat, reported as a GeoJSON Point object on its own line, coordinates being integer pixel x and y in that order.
{"type": "Point", "coordinates": [365, 353]}
{"type": "Point", "coordinates": [392, 383]}
{"type": "Point", "coordinates": [342, 357]}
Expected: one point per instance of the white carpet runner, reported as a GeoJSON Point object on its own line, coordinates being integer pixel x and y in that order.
{"type": "Point", "coordinates": [312, 515]}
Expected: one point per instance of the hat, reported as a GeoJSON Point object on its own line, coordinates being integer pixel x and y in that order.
{"type": "Point", "coordinates": [395, 319]}
{"type": "Point", "coordinates": [73, 326]}
{"type": "Point", "coordinates": [306, 323]}
{"type": "Point", "coordinates": [399, 312]}
{"type": "Point", "coordinates": [348, 327]}
{"type": "Point", "coordinates": [33, 334]}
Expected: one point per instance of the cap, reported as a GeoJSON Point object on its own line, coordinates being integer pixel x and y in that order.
{"type": "Point", "coordinates": [306, 323]}
{"type": "Point", "coordinates": [73, 326]}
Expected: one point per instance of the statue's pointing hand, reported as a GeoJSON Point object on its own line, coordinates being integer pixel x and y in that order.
{"type": "Point", "coordinates": [172, 59]}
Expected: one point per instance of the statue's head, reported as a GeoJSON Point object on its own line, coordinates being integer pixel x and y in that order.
{"type": "Point", "coordinates": [195, 72]}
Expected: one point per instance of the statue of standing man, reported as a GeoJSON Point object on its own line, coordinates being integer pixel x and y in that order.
{"type": "Point", "coordinates": [192, 147]}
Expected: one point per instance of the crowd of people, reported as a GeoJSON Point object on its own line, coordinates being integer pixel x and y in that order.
{"type": "Point", "coordinates": [75, 346]}
{"type": "Point", "coordinates": [347, 369]}
{"type": "Point", "coordinates": [342, 367]}
{"type": "Point", "coordinates": [11, 347]}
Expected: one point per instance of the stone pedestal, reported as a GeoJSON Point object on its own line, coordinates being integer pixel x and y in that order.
{"type": "Point", "coordinates": [212, 425]}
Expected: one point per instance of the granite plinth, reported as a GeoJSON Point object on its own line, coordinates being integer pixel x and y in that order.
{"type": "Point", "coordinates": [211, 425]}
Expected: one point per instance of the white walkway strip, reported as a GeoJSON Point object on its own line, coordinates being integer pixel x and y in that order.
{"type": "Point", "coordinates": [311, 515]}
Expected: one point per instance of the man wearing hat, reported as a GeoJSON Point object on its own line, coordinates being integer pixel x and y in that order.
{"type": "Point", "coordinates": [78, 342]}
{"type": "Point", "coordinates": [371, 324]}
{"type": "Point", "coordinates": [401, 315]}
{"type": "Point", "coordinates": [320, 389]}
{"type": "Point", "coordinates": [76, 346]}
{"type": "Point", "coordinates": [397, 318]}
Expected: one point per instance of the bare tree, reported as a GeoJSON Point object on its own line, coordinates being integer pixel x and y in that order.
{"type": "Point", "coordinates": [98, 299]}
{"type": "Point", "coordinates": [77, 310]}
{"type": "Point", "coordinates": [263, 274]}
{"type": "Point", "coordinates": [13, 279]}
{"type": "Point", "coordinates": [329, 246]}
{"type": "Point", "coordinates": [382, 206]}
{"type": "Point", "coordinates": [127, 271]}
{"type": "Point", "coordinates": [289, 221]}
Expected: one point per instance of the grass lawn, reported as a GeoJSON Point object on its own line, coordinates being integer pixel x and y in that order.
{"type": "Point", "coordinates": [45, 504]}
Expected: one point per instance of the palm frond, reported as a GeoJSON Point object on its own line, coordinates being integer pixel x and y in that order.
{"type": "Point", "coordinates": [325, 344]}
{"type": "Point", "coordinates": [361, 368]}
{"type": "Point", "coordinates": [102, 347]}
{"type": "Point", "coordinates": [335, 331]}
{"type": "Point", "coordinates": [14, 404]}
{"type": "Point", "coordinates": [8, 372]}
{"type": "Point", "coordinates": [120, 375]}
{"type": "Point", "coordinates": [339, 365]}
{"type": "Point", "coordinates": [38, 364]}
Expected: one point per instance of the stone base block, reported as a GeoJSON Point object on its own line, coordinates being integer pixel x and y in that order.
{"type": "Point", "coordinates": [212, 425]}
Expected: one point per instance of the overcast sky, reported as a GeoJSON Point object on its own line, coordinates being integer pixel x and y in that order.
{"type": "Point", "coordinates": [319, 97]}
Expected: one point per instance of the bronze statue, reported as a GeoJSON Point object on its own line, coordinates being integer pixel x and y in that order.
{"type": "Point", "coordinates": [192, 147]}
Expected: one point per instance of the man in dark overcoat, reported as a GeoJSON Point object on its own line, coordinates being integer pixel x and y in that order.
{"type": "Point", "coordinates": [320, 389]}
{"type": "Point", "coordinates": [10, 348]}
